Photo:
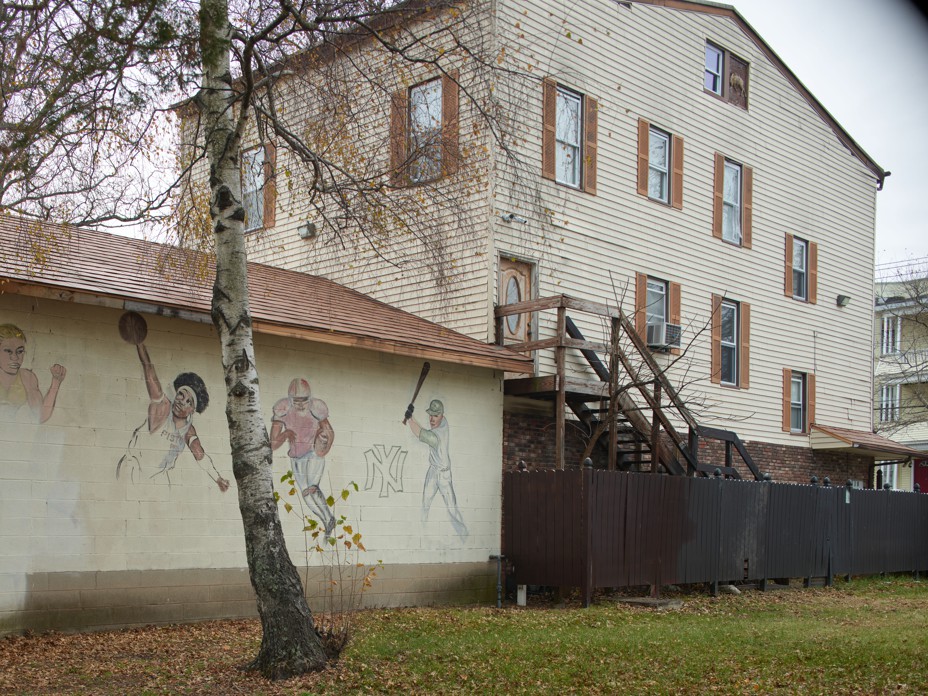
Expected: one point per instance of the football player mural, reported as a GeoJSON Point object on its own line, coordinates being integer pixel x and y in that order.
{"type": "Point", "coordinates": [303, 422]}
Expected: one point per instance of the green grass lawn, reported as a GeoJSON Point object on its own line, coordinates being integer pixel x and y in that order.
{"type": "Point", "coordinates": [868, 636]}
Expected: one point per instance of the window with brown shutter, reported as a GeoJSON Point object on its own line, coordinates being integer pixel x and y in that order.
{"type": "Point", "coordinates": [424, 131]}
{"type": "Point", "coordinates": [660, 165]}
{"type": "Point", "coordinates": [798, 401]}
{"type": "Point", "coordinates": [569, 149]}
{"type": "Point", "coordinates": [730, 343]}
{"type": "Point", "coordinates": [800, 269]}
{"type": "Point", "coordinates": [732, 202]}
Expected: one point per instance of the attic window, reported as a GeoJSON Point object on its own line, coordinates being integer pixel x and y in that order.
{"type": "Point", "coordinates": [726, 75]}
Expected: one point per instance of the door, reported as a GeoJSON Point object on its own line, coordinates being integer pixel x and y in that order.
{"type": "Point", "coordinates": [515, 285]}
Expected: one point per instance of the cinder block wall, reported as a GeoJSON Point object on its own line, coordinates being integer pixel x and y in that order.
{"type": "Point", "coordinates": [81, 548]}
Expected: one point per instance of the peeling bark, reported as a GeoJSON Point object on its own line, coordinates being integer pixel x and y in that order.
{"type": "Point", "coordinates": [290, 644]}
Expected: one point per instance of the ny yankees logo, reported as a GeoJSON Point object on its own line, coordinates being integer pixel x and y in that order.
{"type": "Point", "coordinates": [387, 466]}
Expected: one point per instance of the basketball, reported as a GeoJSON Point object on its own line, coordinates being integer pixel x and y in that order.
{"type": "Point", "coordinates": [132, 328]}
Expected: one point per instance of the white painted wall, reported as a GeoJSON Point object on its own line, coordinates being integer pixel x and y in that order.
{"type": "Point", "coordinates": [62, 508]}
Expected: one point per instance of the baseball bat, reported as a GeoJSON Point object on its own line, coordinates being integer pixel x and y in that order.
{"type": "Point", "coordinates": [422, 375]}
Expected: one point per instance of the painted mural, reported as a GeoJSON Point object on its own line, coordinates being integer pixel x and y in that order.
{"type": "Point", "coordinates": [168, 427]}
{"type": "Point", "coordinates": [19, 386]}
{"type": "Point", "coordinates": [303, 421]}
{"type": "Point", "coordinates": [438, 477]}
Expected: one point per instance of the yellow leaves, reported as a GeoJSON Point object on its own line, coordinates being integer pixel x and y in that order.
{"type": "Point", "coordinates": [288, 507]}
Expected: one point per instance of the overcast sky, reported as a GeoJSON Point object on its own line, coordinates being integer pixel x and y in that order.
{"type": "Point", "coordinates": [866, 61]}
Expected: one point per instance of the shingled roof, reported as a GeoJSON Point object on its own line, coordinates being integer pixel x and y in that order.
{"type": "Point", "coordinates": [94, 267]}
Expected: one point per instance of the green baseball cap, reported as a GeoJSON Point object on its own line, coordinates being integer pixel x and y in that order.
{"type": "Point", "coordinates": [436, 408]}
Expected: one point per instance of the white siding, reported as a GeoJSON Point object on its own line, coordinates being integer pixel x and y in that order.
{"type": "Point", "coordinates": [648, 62]}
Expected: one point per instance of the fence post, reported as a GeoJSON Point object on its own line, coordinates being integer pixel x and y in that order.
{"type": "Point", "coordinates": [718, 547]}
{"type": "Point", "coordinates": [586, 509]}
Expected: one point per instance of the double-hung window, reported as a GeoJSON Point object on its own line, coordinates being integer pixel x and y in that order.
{"type": "Point", "coordinates": [731, 327]}
{"type": "Point", "coordinates": [569, 133]}
{"type": "Point", "coordinates": [798, 401]}
{"type": "Point", "coordinates": [714, 57]}
{"type": "Point", "coordinates": [889, 335]}
{"type": "Point", "coordinates": [800, 279]}
{"type": "Point", "coordinates": [425, 133]}
{"type": "Point", "coordinates": [800, 269]}
{"type": "Point", "coordinates": [731, 202]}
{"type": "Point", "coordinates": [890, 398]}
{"type": "Point", "coordinates": [729, 343]}
{"type": "Point", "coordinates": [660, 165]}
{"type": "Point", "coordinates": [656, 311]}
{"type": "Point", "coordinates": [253, 188]}
{"type": "Point", "coordinates": [733, 207]}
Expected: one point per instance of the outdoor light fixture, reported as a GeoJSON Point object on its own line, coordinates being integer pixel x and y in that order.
{"type": "Point", "coordinates": [307, 230]}
{"type": "Point", "coordinates": [512, 217]}
{"type": "Point", "coordinates": [843, 300]}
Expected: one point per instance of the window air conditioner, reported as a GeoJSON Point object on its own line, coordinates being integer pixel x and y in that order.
{"type": "Point", "coordinates": [664, 335]}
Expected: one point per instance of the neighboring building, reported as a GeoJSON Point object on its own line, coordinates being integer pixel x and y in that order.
{"type": "Point", "coordinates": [655, 155]}
{"type": "Point", "coordinates": [900, 387]}
{"type": "Point", "coordinates": [114, 511]}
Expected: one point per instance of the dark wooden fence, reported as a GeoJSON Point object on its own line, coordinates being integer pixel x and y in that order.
{"type": "Point", "coordinates": [590, 528]}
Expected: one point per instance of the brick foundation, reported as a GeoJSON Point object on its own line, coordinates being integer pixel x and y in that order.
{"type": "Point", "coordinates": [530, 438]}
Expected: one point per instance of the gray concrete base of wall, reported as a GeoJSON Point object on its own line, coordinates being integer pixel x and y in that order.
{"type": "Point", "coordinates": [93, 601]}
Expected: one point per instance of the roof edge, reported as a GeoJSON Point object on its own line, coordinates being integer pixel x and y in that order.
{"type": "Point", "coordinates": [729, 11]}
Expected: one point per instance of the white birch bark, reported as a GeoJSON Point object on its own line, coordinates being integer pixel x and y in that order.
{"type": "Point", "coordinates": [290, 644]}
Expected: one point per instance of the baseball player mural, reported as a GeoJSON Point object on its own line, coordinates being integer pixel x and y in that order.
{"type": "Point", "coordinates": [303, 421]}
{"type": "Point", "coordinates": [438, 477]}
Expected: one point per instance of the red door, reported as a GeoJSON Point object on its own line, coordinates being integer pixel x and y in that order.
{"type": "Point", "coordinates": [921, 474]}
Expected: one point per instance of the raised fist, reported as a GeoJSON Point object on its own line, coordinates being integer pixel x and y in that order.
{"type": "Point", "coordinates": [58, 372]}
{"type": "Point", "coordinates": [408, 413]}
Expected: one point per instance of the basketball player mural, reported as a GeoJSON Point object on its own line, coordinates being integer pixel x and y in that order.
{"type": "Point", "coordinates": [303, 421]}
{"type": "Point", "coordinates": [170, 421]}
{"type": "Point", "coordinates": [19, 386]}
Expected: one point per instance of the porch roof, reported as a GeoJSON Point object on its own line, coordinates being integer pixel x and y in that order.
{"type": "Point", "coordinates": [92, 267]}
{"type": "Point", "coordinates": [827, 437]}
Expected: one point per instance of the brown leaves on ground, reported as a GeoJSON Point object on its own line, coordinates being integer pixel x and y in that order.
{"type": "Point", "coordinates": [204, 658]}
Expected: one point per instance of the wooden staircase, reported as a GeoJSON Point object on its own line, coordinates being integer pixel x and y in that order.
{"type": "Point", "coordinates": [631, 410]}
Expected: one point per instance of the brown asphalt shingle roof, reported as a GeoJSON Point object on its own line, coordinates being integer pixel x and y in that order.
{"type": "Point", "coordinates": [83, 265]}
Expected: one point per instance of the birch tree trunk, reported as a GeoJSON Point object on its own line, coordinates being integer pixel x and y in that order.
{"type": "Point", "coordinates": [290, 644]}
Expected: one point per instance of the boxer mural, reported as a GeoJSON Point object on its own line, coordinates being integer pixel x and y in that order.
{"type": "Point", "coordinates": [303, 421]}
{"type": "Point", "coordinates": [19, 386]}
